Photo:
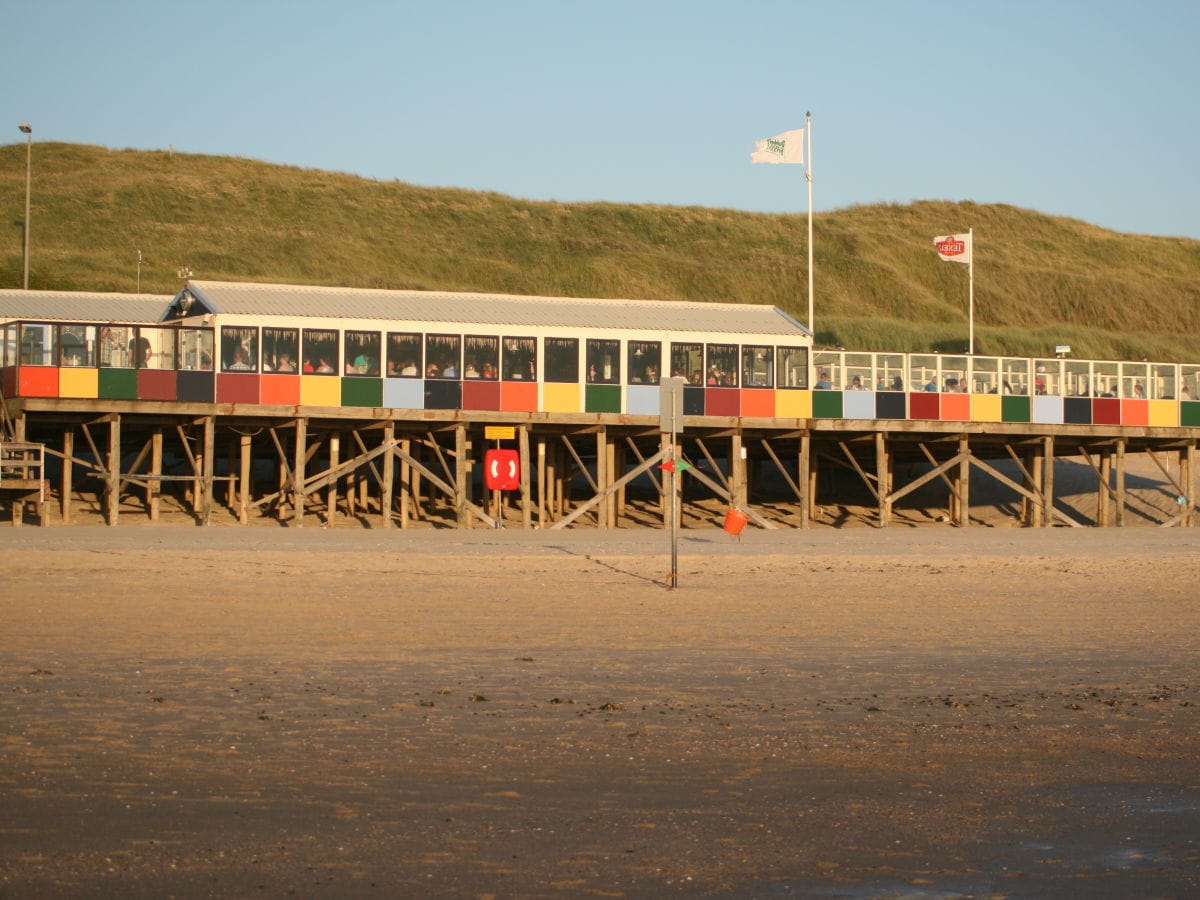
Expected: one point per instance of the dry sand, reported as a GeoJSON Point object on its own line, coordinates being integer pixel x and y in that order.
{"type": "Point", "coordinates": [836, 713]}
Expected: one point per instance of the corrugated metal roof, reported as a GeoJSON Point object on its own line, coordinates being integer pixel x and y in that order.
{"type": "Point", "coordinates": [236, 298]}
{"type": "Point", "coordinates": [55, 306]}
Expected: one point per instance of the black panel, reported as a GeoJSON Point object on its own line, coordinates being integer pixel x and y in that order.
{"type": "Point", "coordinates": [889, 405]}
{"type": "Point", "coordinates": [195, 387]}
{"type": "Point", "coordinates": [1077, 410]}
{"type": "Point", "coordinates": [693, 401]}
{"type": "Point", "coordinates": [443, 394]}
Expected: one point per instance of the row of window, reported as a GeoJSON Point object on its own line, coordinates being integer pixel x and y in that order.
{"type": "Point", "coordinates": [319, 351]}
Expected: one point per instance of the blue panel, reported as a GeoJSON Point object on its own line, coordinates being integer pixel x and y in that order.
{"type": "Point", "coordinates": [858, 405]}
{"type": "Point", "coordinates": [643, 400]}
{"type": "Point", "coordinates": [1048, 410]}
{"type": "Point", "coordinates": [404, 393]}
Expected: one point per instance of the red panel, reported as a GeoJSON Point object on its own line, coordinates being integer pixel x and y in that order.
{"type": "Point", "coordinates": [280, 390]}
{"type": "Point", "coordinates": [237, 388]}
{"type": "Point", "coordinates": [956, 407]}
{"type": "Point", "coordinates": [37, 381]}
{"type": "Point", "coordinates": [518, 397]}
{"type": "Point", "coordinates": [481, 395]}
{"type": "Point", "coordinates": [1135, 412]}
{"type": "Point", "coordinates": [156, 384]}
{"type": "Point", "coordinates": [9, 381]}
{"type": "Point", "coordinates": [758, 403]}
{"type": "Point", "coordinates": [1106, 411]}
{"type": "Point", "coordinates": [925, 405]}
{"type": "Point", "coordinates": [722, 402]}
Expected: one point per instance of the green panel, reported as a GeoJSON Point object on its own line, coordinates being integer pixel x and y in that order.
{"type": "Point", "coordinates": [1189, 413]}
{"type": "Point", "coordinates": [1014, 409]}
{"type": "Point", "coordinates": [362, 392]}
{"type": "Point", "coordinates": [118, 384]}
{"type": "Point", "coordinates": [603, 398]}
{"type": "Point", "coordinates": [827, 404]}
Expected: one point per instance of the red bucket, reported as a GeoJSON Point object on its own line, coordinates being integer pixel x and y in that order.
{"type": "Point", "coordinates": [735, 521]}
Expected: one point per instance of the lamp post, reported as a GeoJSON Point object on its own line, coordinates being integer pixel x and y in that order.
{"type": "Point", "coordinates": [28, 132]}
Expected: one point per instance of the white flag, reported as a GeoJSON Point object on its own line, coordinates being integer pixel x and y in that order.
{"type": "Point", "coordinates": [783, 148]}
{"type": "Point", "coordinates": [954, 247]}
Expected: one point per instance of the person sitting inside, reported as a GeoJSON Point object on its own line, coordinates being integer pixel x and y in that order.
{"type": "Point", "coordinates": [856, 383]}
{"type": "Point", "coordinates": [285, 363]}
{"type": "Point", "coordinates": [239, 363]}
{"type": "Point", "coordinates": [823, 380]}
{"type": "Point", "coordinates": [323, 367]}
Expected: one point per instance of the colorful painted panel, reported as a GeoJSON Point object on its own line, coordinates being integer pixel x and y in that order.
{"type": "Point", "coordinates": [519, 397]}
{"type": "Point", "coordinates": [83, 382]}
{"type": "Point", "coordinates": [827, 404]}
{"type": "Point", "coordinates": [1048, 410]}
{"type": "Point", "coordinates": [1014, 409]}
{"type": "Point", "coordinates": [643, 400]}
{"type": "Point", "coordinates": [788, 404]}
{"type": "Point", "coordinates": [758, 403]}
{"type": "Point", "coordinates": [1134, 412]}
{"type": "Point", "coordinates": [1189, 413]}
{"type": "Point", "coordinates": [362, 392]}
{"type": "Point", "coordinates": [443, 394]}
{"type": "Point", "coordinates": [483, 395]}
{"type": "Point", "coordinates": [1163, 413]}
{"type": "Point", "coordinates": [858, 405]}
{"type": "Point", "coordinates": [956, 408]}
{"type": "Point", "coordinates": [1106, 411]}
{"type": "Point", "coordinates": [925, 405]}
{"type": "Point", "coordinates": [320, 390]}
{"type": "Point", "coordinates": [561, 398]}
{"type": "Point", "coordinates": [693, 400]}
{"type": "Point", "coordinates": [1077, 410]}
{"type": "Point", "coordinates": [118, 384]}
{"type": "Point", "coordinates": [195, 387]}
{"type": "Point", "coordinates": [404, 393]}
{"type": "Point", "coordinates": [890, 405]}
{"type": "Point", "coordinates": [237, 388]}
{"type": "Point", "coordinates": [156, 384]}
{"type": "Point", "coordinates": [37, 381]}
{"type": "Point", "coordinates": [280, 390]}
{"type": "Point", "coordinates": [721, 402]}
{"type": "Point", "coordinates": [603, 398]}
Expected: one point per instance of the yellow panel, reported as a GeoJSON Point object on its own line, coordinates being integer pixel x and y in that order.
{"type": "Point", "coordinates": [1164, 413]}
{"type": "Point", "coordinates": [78, 382]}
{"type": "Point", "coordinates": [320, 390]}
{"type": "Point", "coordinates": [793, 404]}
{"type": "Point", "coordinates": [560, 398]}
{"type": "Point", "coordinates": [985, 408]}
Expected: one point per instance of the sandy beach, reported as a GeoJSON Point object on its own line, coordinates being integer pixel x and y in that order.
{"type": "Point", "coordinates": [927, 712]}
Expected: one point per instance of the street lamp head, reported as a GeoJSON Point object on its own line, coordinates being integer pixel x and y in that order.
{"type": "Point", "coordinates": [25, 129]}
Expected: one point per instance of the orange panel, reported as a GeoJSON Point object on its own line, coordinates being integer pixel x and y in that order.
{"type": "Point", "coordinates": [758, 403]}
{"type": "Point", "coordinates": [37, 381]}
{"type": "Point", "coordinates": [956, 407]}
{"type": "Point", "coordinates": [518, 397]}
{"type": "Point", "coordinates": [1135, 412]}
{"type": "Point", "coordinates": [280, 390]}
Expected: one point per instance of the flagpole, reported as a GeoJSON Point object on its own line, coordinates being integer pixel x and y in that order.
{"type": "Point", "coordinates": [808, 176]}
{"type": "Point", "coordinates": [971, 292]}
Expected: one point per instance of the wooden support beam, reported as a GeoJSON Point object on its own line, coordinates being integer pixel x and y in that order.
{"type": "Point", "coordinates": [67, 476]}
{"type": "Point", "coordinates": [964, 482]}
{"type": "Point", "coordinates": [1048, 481]}
{"type": "Point", "coordinates": [299, 461]}
{"type": "Point", "coordinates": [807, 475]}
{"type": "Point", "coordinates": [460, 476]}
{"type": "Point", "coordinates": [210, 453]}
{"type": "Point", "coordinates": [245, 476]}
{"type": "Point", "coordinates": [523, 455]}
{"type": "Point", "coordinates": [153, 484]}
{"type": "Point", "coordinates": [112, 491]}
{"type": "Point", "coordinates": [1119, 491]}
{"type": "Point", "coordinates": [387, 485]}
{"type": "Point", "coordinates": [331, 490]}
{"type": "Point", "coordinates": [882, 478]}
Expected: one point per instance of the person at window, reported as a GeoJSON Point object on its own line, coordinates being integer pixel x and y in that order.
{"type": "Point", "coordinates": [1185, 393]}
{"type": "Point", "coordinates": [432, 370]}
{"type": "Point", "coordinates": [323, 366]}
{"type": "Point", "coordinates": [823, 380]}
{"type": "Point", "coordinates": [897, 383]}
{"type": "Point", "coordinates": [470, 371]}
{"type": "Point", "coordinates": [451, 371]}
{"type": "Point", "coordinates": [140, 352]}
{"type": "Point", "coordinates": [489, 372]}
{"type": "Point", "coordinates": [205, 360]}
{"type": "Point", "coordinates": [856, 383]}
{"type": "Point", "coordinates": [285, 364]}
{"type": "Point", "coordinates": [409, 369]}
{"type": "Point", "coordinates": [1139, 392]}
{"type": "Point", "coordinates": [931, 387]}
{"type": "Point", "coordinates": [239, 363]}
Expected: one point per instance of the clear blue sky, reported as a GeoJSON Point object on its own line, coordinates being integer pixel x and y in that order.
{"type": "Point", "coordinates": [1083, 108]}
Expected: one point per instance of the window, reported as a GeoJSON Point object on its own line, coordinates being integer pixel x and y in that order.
{"type": "Point", "coordinates": [722, 365]}
{"type": "Point", "coordinates": [482, 357]}
{"type": "Point", "coordinates": [443, 353]}
{"type": "Point", "coordinates": [77, 345]}
{"type": "Point", "coordinates": [687, 361]}
{"type": "Point", "coordinates": [114, 346]}
{"type": "Point", "coordinates": [196, 349]}
{"type": "Point", "coordinates": [644, 362]}
{"type": "Point", "coordinates": [758, 366]}
{"type": "Point", "coordinates": [153, 348]}
{"type": "Point", "coordinates": [403, 355]}
{"type": "Point", "coordinates": [520, 359]}
{"type": "Point", "coordinates": [362, 353]}
{"type": "Point", "coordinates": [239, 349]}
{"type": "Point", "coordinates": [37, 345]}
{"type": "Point", "coordinates": [603, 361]}
{"type": "Point", "coordinates": [319, 351]}
{"type": "Point", "coordinates": [792, 367]}
{"type": "Point", "coordinates": [281, 350]}
{"type": "Point", "coordinates": [562, 360]}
